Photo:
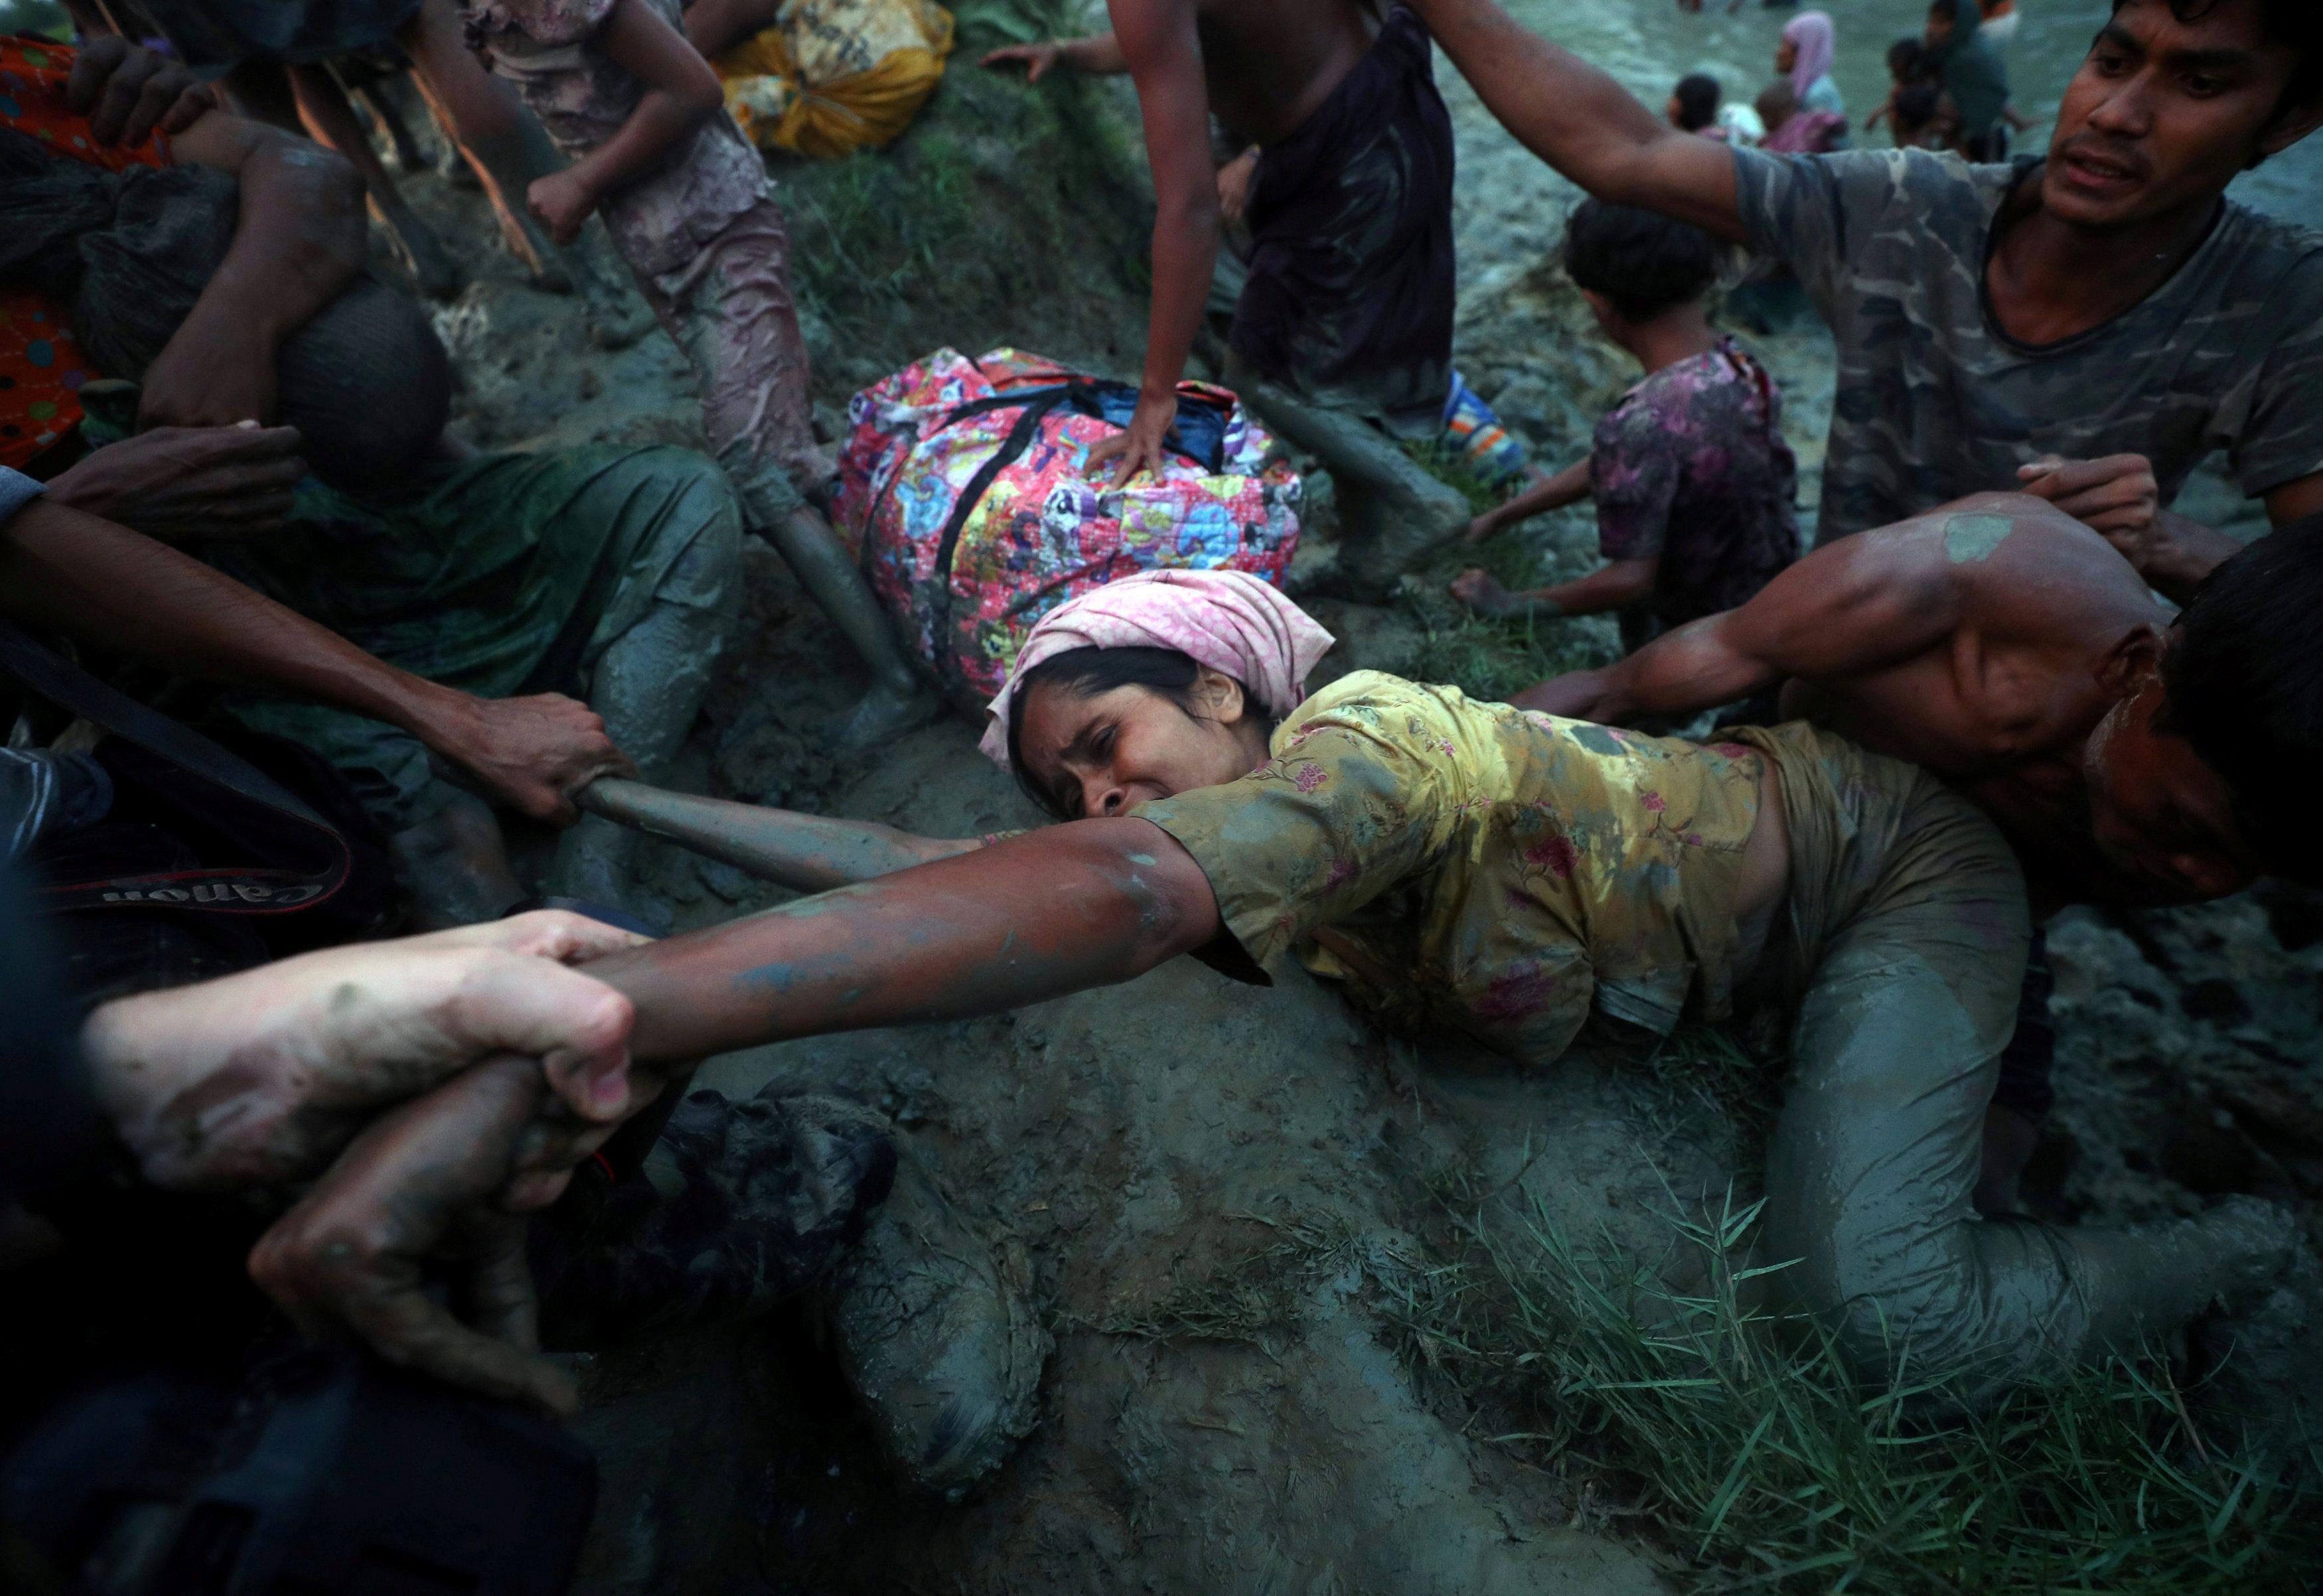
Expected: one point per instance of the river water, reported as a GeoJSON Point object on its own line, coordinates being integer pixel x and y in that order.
{"type": "Point", "coordinates": [1509, 208]}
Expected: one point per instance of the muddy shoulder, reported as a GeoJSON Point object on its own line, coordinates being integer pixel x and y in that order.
{"type": "Point", "coordinates": [1231, 1194]}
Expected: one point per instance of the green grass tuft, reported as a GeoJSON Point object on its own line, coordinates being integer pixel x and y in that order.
{"type": "Point", "coordinates": [1738, 1435]}
{"type": "Point", "coordinates": [1492, 660]}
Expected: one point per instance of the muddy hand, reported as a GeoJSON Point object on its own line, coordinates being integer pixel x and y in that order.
{"type": "Point", "coordinates": [530, 753]}
{"type": "Point", "coordinates": [1142, 447]}
{"type": "Point", "coordinates": [412, 1191]}
{"type": "Point", "coordinates": [126, 91]}
{"type": "Point", "coordinates": [1234, 185]}
{"type": "Point", "coordinates": [185, 482]}
{"type": "Point", "coordinates": [2117, 495]}
{"type": "Point", "coordinates": [1037, 59]}
{"type": "Point", "coordinates": [259, 1078]}
{"type": "Point", "coordinates": [1480, 592]}
{"type": "Point", "coordinates": [563, 202]}
{"type": "Point", "coordinates": [542, 933]}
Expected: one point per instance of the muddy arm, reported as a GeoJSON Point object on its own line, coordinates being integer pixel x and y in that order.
{"type": "Point", "coordinates": [1030, 918]}
{"type": "Point", "coordinates": [1159, 41]}
{"type": "Point", "coordinates": [1027, 919]}
{"type": "Point", "coordinates": [680, 91]}
{"type": "Point", "coordinates": [298, 241]}
{"type": "Point", "coordinates": [117, 589]}
{"type": "Point", "coordinates": [808, 853]}
{"type": "Point", "coordinates": [1860, 604]}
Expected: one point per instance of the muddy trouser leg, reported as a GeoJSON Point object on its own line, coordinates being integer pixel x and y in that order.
{"type": "Point", "coordinates": [1876, 1150]}
{"type": "Point", "coordinates": [730, 311]}
{"type": "Point", "coordinates": [1390, 510]}
{"type": "Point", "coordinates": [649, 678]}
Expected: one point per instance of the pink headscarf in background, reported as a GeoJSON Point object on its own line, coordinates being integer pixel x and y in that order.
{"type": "Point", "coordinates": [1228, 620]}
{"type": "Point", "coordinates": [1810, 34]}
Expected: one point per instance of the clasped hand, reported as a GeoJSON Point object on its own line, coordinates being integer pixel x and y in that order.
{"type": "Point", "coordinates": [509, 1067]}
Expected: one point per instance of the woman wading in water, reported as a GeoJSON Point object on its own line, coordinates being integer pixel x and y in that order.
{"type": "Point", "coordinates": [1444, 862]}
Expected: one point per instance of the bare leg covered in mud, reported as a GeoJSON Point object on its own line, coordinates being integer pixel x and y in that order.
{"type": "Point", "coordinates": [730, 310]}
{"type": "Point", "coordinates": [1392, 512]}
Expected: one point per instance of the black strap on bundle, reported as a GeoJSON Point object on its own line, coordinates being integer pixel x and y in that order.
{"type": "Point", "coordinates": [1084, 394]}
{"type": "Point", "coordinates": [248, 805]}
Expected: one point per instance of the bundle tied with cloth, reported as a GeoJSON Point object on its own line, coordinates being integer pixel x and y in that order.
{"type": "Point", "coordinates": [833, 77]}
{"type": "Point", "coordinates": [122, 256]}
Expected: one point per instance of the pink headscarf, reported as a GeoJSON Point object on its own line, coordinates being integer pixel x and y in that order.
{"type": "Point", "coordinates": [1810, 34]}
{"type": "Point", "coordinates": [1228, 620]}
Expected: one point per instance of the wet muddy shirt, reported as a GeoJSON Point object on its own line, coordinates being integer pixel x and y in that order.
{"type": "Point", "coordinates": [1481, 867]}
{"type": "Point", "coordinates": [1691, 469]}
{"type": "Point", "coordinates": [1934, 401]}
{"type": "Point", "coordinates": [547, 48]}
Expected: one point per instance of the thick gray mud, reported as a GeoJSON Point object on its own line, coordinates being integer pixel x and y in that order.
{"type": "Point", "coordinates": [1221, 1187]}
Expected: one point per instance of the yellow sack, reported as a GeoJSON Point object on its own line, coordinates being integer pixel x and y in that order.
{"type": "Point", "coordinates": [833, 77]}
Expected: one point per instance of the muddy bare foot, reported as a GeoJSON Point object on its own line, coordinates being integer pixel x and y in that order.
{"type": "Point", "coordinates": [1385, 530]}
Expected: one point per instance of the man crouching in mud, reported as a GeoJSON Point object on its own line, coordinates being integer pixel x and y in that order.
{"type": "Point", "coordinates": [2130, 756]}
{"type": "Point", "coordinates": [1342, 338]}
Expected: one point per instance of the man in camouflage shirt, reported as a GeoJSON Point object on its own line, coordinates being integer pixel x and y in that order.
{"type": "Point", "coordinates": [2090, 325]}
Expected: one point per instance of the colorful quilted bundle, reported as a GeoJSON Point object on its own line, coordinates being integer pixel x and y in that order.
{"type": "Point", "coordinates": [963, 491]}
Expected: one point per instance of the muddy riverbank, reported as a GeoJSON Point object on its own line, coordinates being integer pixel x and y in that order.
{"type": "Point", "coordinates": [1219, 1188]}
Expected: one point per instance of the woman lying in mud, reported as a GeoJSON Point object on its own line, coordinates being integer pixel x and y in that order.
{"type": "Point", "coordinates": [1446, 862]}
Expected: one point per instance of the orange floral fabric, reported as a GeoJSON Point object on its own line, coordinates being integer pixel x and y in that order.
{"type": "Point", "coordinates": [40, 367]}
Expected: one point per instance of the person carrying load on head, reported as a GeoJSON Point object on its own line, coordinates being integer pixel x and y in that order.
{"type": "Point", "coordinates": [1341, 334]}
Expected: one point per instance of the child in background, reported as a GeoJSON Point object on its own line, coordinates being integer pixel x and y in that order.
{"type": "Point", "coordinates": [1792, 129]}
{"type": "Point", "coordinates": [1694, 105]}
{"type": "Point", "coordinates": [1924, 119]}
{"type": "Point", "coordinates": [1694, 483]}
{"type": "Point", "coordinates": [1909, 62]}
{"type": "Point", "coordinates": [688, 201]}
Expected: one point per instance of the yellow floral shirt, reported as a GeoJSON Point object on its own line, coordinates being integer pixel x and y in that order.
{"type": "Point", "coordinates": [1482, 867]}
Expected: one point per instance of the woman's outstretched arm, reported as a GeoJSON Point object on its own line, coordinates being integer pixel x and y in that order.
{"type": "Point", "coordinates": [805, 852]}
{"type": "Point", "coordinates": [1032, 917]}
